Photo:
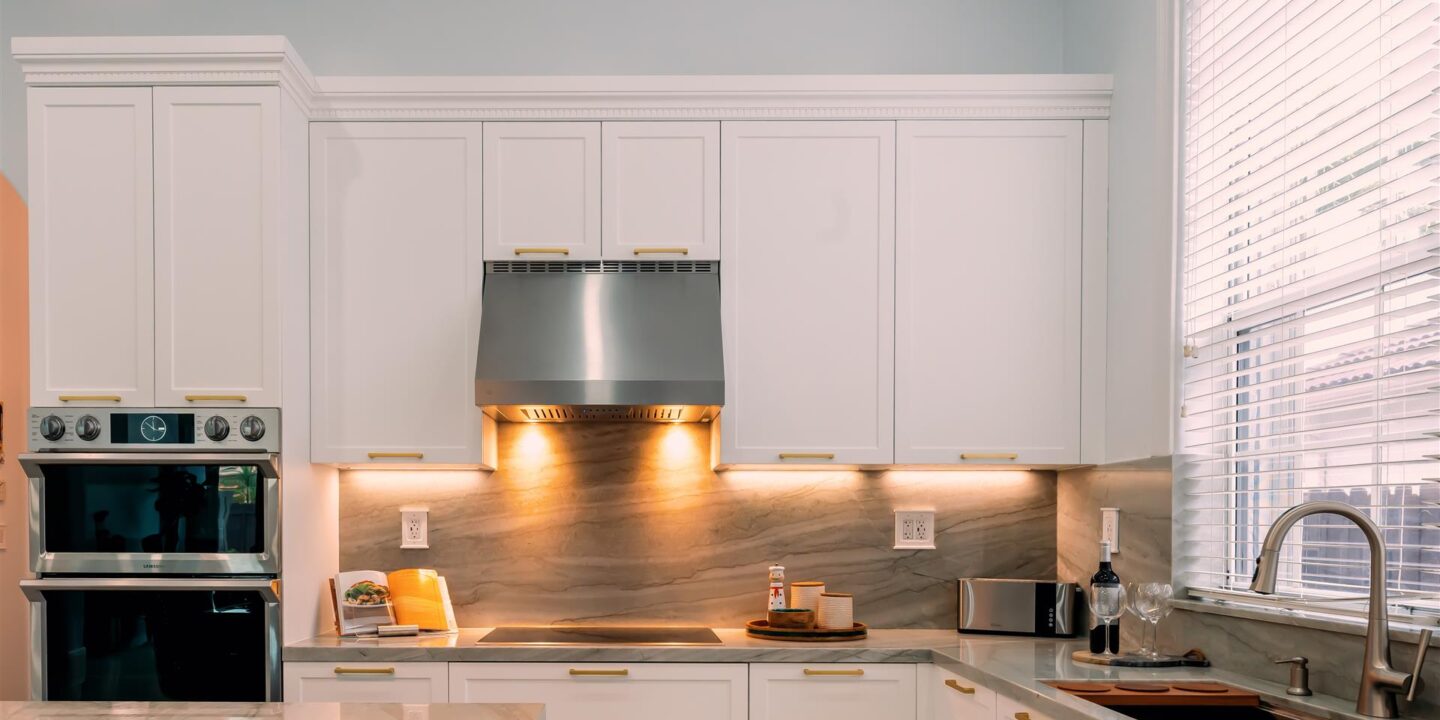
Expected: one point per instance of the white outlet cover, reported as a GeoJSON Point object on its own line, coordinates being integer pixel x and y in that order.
{"type": "Point", "coordinates": [1110, 528]}
{"type": "Point", "coordinates": [414, 528]}
{"type": "Point", "coordinates": [914, 529]}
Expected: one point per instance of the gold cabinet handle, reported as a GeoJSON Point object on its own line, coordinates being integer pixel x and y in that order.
{"type": "Point", "coordinates": [857, 672]}
{"type": "Point", "coordinates": [1022, 716]}
{"type": "Point", "coordinates": [216, 398]}
{"type": "Point", "coordinates": [989, 456]}
{"type": "Point", "coordinates": [340, 670]}
{"type": "Point", "coordinates": [542, 251]}
{"type": "Point", "coordinates": [89, 398]}
{"type": "Point", "coordinates": [807, 456]}
{"type": "Point", "coordinates": [622, 672]}
{"type": "Point", "coordinates": [956, 686]}
{"type": "Point", "coordinates": [662, 251]}
{"type": "Point", "coordinates": [413, 455]}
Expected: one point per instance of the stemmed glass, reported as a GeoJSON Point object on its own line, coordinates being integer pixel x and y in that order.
{"type": "Point", "coordinates": [1151, 603]}
{"type": "Point", "coordinates": [1107, 602]}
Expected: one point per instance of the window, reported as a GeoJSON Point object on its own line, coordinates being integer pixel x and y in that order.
{"type": "Point", "coordinates": [1311, 290]}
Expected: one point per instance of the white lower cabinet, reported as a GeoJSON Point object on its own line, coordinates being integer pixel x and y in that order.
{"type": "Point", "coordinates": [373, 682]}
{"type": "Point", "coordinates": [791, 691]}
{"type": "Point", "coordinates": [608, 691]}
{"type": "Point", "coordinates": [1007, 709]}
{"type": "Point", "coordinates": [943, 695]}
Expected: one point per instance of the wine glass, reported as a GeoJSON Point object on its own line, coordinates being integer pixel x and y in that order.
{"type": "Point", "coordinates": [1151, 603]}
{"type": "Point", "coordinates": [1107, 602]}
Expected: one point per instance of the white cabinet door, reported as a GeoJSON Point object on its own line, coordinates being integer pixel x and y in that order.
{"type": "Point", "coordinates": [542, 191]}
{"type": "Point", "coordinates": [988, 296]}
{"type": "Point", "coordinates": [367, 682]}
{"type": "Point", "coordinates": [662, 190]}
{"type": "Point", "coordinates": [92, 292]}
{"type": "Point", "coordinates": [1008, 709]}
{"type": "Point", "coordinates": [943, 695]}
{"type": "Point", "coordinates": [217, 245]}
{"type": "Point", "coordinates": [808, 292]}
{"type": "Point", "coordinates": [608, 691]}
{"type": "Point", "coordinates": [395, 292]}
{"type": "Point", "coordinates": [788, 691]}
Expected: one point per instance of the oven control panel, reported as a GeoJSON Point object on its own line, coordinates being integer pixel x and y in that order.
{"type": "Point", "coordinates": [95, 429]}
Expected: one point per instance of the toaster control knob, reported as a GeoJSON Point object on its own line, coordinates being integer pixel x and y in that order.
{"type": "Point", "coordinates": [252, 428]}
{"type": "Point", "coordinates": [87, 427]}
{"type": "Point", "coordinates": [217, 428]}
{"type": "Point", "coordinates": [52, 428]}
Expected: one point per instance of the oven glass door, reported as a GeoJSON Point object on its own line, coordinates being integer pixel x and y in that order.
{"type": "Point", "coordinates": [206, 642]}
{"type": "Point", "coordinates": [154, 514]}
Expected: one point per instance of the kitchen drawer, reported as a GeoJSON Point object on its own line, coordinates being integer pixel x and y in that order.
{"type": "Point", "coordinates": [608, 691]}
{"type": "Point", "coordinates": [1007, 709]}
{"type": "Point", "coordinates": [948, 696]}
{"type": "Point", "coordinates": [374, 682]}
{"type": "Point", "coordinates": [823, 691]}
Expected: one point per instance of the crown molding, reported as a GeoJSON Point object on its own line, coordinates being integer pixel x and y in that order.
{"type": "Point", "coordinates": [271, 60]}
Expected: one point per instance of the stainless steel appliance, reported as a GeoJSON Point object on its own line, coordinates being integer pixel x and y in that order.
{"type": "Point", "coordinates": [155, 541]}
{"type": "Point", "coordinates": [587, 341]}
{"type": "Point", "coordinates": [990, 606]}
{"type": "Point", "coordinates": [602, 636]}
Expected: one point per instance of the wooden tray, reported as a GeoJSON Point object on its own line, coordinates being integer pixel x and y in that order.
{"type": "Point", "coordinates": [761, 629]}
{"type": "Point", "coordinates": [1154, 694]}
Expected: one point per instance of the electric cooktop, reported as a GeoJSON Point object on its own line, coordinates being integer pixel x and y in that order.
{"type": "Point", "coordinates": [602, 636]}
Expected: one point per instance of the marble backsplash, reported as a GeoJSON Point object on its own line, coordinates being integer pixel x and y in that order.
{"type": "Point", "coordinates": [626, 524]}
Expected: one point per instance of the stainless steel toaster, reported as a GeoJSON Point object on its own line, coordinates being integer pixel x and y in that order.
{"type": "Point", "coordinates": [1018, 607]}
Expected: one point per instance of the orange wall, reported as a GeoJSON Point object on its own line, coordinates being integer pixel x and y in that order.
{"type": "Point", "coordinates": [14, 394]}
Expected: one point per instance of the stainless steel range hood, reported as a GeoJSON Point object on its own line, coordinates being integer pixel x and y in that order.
{"type": "Point", "coordinates": [612, 341]}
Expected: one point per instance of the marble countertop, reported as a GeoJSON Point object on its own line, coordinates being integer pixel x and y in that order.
{"type": "Point", "coordinates": [274, 711]}
{"type": "Point", "coordinates": [1012, 666]}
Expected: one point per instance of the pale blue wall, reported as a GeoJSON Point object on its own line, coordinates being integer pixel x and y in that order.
{"type": "Point", "coordinates": [571, 37]}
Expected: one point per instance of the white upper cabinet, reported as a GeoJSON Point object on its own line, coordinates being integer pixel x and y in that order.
{"type": "Point", "coordinates": [808, 292]}
{"type": "Point", "coordinates": [92, 294]}
{"type": "Point", "coordinates": [988, 292]}
{"type": "Point", "coordinates": [395, 292]}
{"type": "Point", "coordinates": [662, 190]}
{"type": "Point", "coordinates": [787, 691]}
{"type": "Point", "coordinates": [542, 190]}
{"type": "Point", "coordinates": [217, 246]}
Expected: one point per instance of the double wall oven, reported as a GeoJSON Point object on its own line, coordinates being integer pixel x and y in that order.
{"type": "Point", "coordinates": [155, 543]}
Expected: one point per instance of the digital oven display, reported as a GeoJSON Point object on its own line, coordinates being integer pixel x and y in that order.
{"type": "Point", "coordinates": [152, 428]}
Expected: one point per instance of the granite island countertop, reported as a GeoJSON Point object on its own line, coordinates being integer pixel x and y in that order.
{"type": "Point", "coordinates": [272, 711]}
{"type": "Point", "coordinates": [1012, 666]}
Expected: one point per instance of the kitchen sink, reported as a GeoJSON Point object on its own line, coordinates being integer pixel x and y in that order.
{"type": "Point", "coordinates": [1193, 700]}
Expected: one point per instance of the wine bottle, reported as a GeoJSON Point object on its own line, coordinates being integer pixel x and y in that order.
{"type": "Point", "coordinates": [1104, 577]}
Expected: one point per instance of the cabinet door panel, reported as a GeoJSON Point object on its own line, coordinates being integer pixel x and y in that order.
{"type": "Point", "coordinates": [808, 292]}
{"type": "Point", "coordinates": [645, 691]}
{"type": "Point", "coordinates": [414, 682]}
{"type": "Point", "coordinates": [217, 160]}
{"type": "Point", "coordinates": [395, 291]}
{"type": "Point", "coordinates": [92, 297]}
{"type": "Point", "coordinates": [780, 691]}
{"type": "Point", "coordinates": [1007, 709]}
{"type": "Point", "coordinates": [988, 300]}
{"type": "Point", "coordinates": [662, 190]}
{"type": "Point", "coordinates": [542, 191]}
{"type": "Point", "coordinates": [952, 697]}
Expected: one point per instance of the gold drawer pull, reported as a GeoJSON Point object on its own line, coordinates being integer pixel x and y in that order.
{"type": "Point", "coordinates": [339, 670]}
{"type": "Point", "coordinates": [622, 672]}
{"type": "Point", "coordinates": [1022, 716]}
{"type": "Point", "coordinates": [413, 455]}
{"type": "Point", "coordinates": [955, 685]}
{"type": "Point", "coordinates": [807, 456]}
{"type": "Point", "coordinates": [857, 672]}
{"type": "Point", "coordinates": [215, 398]}
{"type": "Point", "coordinates": [89, 398]}
{"type": "Point", "coordinates": [662, 251]}
{"type": "Point", "coordinates": [989, 456]}
{"type": "Point", "coordinates": [542, 251]}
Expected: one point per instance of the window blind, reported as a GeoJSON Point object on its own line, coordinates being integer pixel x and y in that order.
{"type": "Point", "coordinates": [1311, 290]}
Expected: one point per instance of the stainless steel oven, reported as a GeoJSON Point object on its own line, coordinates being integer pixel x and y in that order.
{"type": "Point", "coordinates": [164, 491]}
{"type": "Point", "coordinates": [132, 639]}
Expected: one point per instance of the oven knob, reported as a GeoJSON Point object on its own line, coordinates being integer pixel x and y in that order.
{"type": "Point", "coordinates": [87, 427]}
{"type": "Point", "coordinates": [252, 428]}
{"type": "Point", "coordinates": [217, 428]}
{"type": "Point", "coordinates": [52, 428]}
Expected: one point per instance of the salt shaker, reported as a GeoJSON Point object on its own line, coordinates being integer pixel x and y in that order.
{"type": "Point", "coordinates": [777, 587]}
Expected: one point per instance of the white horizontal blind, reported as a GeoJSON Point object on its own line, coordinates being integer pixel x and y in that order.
{"type": "Point", "coordinates": [1311, 292]}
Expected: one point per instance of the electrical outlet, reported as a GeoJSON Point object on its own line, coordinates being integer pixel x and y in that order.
{"type": "Point", "coordinates": [914, 529]}
{"type": "Point", "coordinates": [414, 528]}
{"type": "Point", "coordinates": [1110, 528]}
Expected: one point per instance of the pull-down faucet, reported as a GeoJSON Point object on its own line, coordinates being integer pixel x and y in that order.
{"type": "Point", "coordinates": [1379, 682]}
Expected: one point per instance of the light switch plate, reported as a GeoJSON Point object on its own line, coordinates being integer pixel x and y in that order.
{"type": "Point", "coordinates": [1110, 528]}
{"type": "Point", "coordinates": [414, 528]}
{"type": "Point", "coordinates": [914, 529]}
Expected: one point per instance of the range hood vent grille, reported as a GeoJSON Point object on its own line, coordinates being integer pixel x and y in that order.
{"type": "Point", "coordinates": [603, 266]}
{"type": "Point", "coordinates": [602, 413]}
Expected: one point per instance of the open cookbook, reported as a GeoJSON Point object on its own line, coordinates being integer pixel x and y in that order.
{"type": "Point", "coordinates": [366, 600]}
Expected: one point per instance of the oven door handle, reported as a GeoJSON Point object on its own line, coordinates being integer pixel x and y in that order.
{"type": "Point", "coordinates": [268, 589]}
{"type": "Point", "coordinates": [35, 463]}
